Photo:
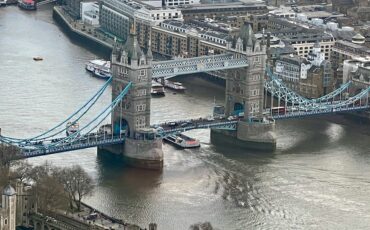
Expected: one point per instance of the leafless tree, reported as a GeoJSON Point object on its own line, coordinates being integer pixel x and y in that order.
{"type": "Point", "coordinates": [47, 189]}
{"type": "Point", "coordinates": [77, 183]}
{"type": "Point", "coordinates": [49, 194]}
{"type": "Point", "coordinates": [22, 171]}
{"type": "Point", "coordinates": [8, 155]}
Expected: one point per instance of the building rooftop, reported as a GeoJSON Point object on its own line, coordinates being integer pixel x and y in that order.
{"type": "Point", "coordinates": [9, 190]}
{"type": "Point", "coordinates": [223, 6]}
{"type": "Point", "coordinates": [294, 59]}
{"type": "Point", "coordinates": [352, 45]}
{"type": "Point", "coordinates": [203, 32]}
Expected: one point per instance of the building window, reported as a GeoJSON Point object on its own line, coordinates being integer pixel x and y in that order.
{"type": "Point", "coordinates": [141, 92]}
{"type": "Point", "coordinates": [140, 122]}
{"type": "Point", "coordinates": [142, 72]}
{"type": "Point", "coordinates": [141, 78]}
{"type": "Point", "coordinates": [255, 92]}
{"type": "Point", "coordinates": [140, 107]}
{"type": "Point", "coordinates": [6, 221]}
{"type": "Point", "coordinates": [254, 107]}
{"type": "Point", "coordinates": [122, 71]}
{"type": "Point", "coordinates": [256, 77]}
{"type": "Point", "coordinates": [257, 60]}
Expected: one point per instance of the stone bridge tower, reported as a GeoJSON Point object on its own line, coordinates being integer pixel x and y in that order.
{"type": "Point", "coordinates": [245, 95]}
{"type": "Point", "coordinates": [130, 64]}
{"type": "Point", "coordinates": [132, 116]}
{"type": "Point", "coordinates": [244, 86]}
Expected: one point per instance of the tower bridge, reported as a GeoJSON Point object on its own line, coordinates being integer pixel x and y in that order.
{"type": "Point", "coordinates": [248, 122]}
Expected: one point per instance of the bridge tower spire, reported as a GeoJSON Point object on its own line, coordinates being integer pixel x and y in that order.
{"type": "Point", "coordinates": [132, 116]}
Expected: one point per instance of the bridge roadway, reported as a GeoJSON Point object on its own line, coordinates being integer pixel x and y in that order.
{"type": "Point", "coordinates": [83, 142]}
{"type": "Point", "coordinates": [58, 145]}
{"type": "Point", "coordinates": [165, 129]}
{"type": "Point", "coordinates": [310, 113]}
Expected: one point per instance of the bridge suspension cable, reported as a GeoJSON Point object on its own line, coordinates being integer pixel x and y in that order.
{"type": "Point", "coordinates": [99, 119]}
{"type": "Point", "coordinates": [85, 108]}
{"type": "Point", "coordinates": [282, 91]}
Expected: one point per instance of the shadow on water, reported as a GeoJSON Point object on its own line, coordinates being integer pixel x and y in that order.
{"type": "Point", "coordinates": [236, 152]}
{"type": "Point", "coordinates": [116, 171]}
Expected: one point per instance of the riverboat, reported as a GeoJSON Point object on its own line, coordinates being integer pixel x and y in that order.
{"type": "Point", "coordinates": [182, 141]}
{"type": "Point", "coordinates": [157, 89]}
{"type": "Point", "coordinates": [38, 58]}
{"type": "Point", "coordinates": [174, 85]}
{"type": "Point", "coordinates": [27, 4]}
{"type": "Point", "coordinates": [93, 64]}
{"type": "Point", "coordinates": [99, 68]}
{"type": "Point", "coordinates": [102, 73]}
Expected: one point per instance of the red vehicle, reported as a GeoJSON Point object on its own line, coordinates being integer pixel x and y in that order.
{"type": "Point", "coordinates": [278, 110]}
{"type": "Point", "coordinates": [27, 4]}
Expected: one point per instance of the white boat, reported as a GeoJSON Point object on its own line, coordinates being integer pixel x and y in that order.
{"type": "Point", "coordinates": [102, 73]}
{"type": "Point", "coordinates": [72, 128]}
{"type": "Point", "coordinates": [99, 68]}
{"type": "Point", "coordinates": [174, 85]}
{"type": "Point", "coordinates": [93, 64]}
{"type": "Point", "coordinates": [157, 89]}
{"type": "Point", "coordinates": [182, 141]}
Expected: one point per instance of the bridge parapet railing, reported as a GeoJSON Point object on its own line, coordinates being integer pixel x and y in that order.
{"type": "Point", "coordinates": [75, 145]}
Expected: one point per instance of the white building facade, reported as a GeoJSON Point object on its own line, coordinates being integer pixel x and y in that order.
{"type": "Point", "coordinates": [90, 13]}
{"type": "Point", "coordinates": [8, 209]}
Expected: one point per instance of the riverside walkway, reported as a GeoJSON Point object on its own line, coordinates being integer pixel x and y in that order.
{"type": "Point", "coordinates": [86, 31]}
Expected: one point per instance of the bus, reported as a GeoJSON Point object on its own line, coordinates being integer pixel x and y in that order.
{"type": "Point", "coordinates": [218, 112]}
{"type": "Point", "coordinates": [278, 110]}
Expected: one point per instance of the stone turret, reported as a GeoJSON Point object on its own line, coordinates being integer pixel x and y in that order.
{"type": "Point", "coordinates": [8, 208]}
{"type": "Point", "coordinates": [132, 118]}
{"type": "Point", "coordinates": [245, 96]}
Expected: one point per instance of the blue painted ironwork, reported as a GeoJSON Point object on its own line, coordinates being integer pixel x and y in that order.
{"type": "Point", "coordinates": [295, 106]}
{"type": "Point", "coordinates": [84, 109]}
{"type": "Point", "coordinates": [167, 69]}
{"type": "Point", "coordinates": [83, 138]}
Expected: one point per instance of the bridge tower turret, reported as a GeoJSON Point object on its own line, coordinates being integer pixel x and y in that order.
{"type": "Point", "coordinates": [244, 86]}
{"type": "Point", "coordinates": [245, 95]}
{"type": "Point", "coordinates": [130, 64]}
{"type": "Point", "coordinates": [132, 116]}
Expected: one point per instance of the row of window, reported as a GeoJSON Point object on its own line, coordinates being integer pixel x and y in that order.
{"type": "Point", "coordinates": [140, 122]}
{"type": "Point", "coordinates": [141, 108]}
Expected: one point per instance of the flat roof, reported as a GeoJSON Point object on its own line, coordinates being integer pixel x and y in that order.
{"type": "Point", "coordinates": [355, 46]}
{"type": "Point", "coordinates": [222, 5]}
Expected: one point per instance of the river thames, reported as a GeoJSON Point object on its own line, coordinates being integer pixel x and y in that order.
{"type": "Point", "coordinates": [318, 178]}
